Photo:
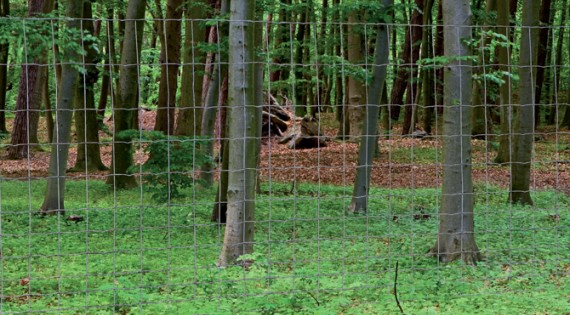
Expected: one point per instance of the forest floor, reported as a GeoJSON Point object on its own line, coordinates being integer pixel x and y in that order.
{"type": "Point", "coordinates": [403, 162]}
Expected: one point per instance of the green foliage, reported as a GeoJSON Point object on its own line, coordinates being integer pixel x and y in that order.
{"type": "Point", "coordinates": [171, 162]}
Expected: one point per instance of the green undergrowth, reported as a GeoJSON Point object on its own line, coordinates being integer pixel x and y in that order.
{"type": "Point", "coordinates": [133, 256]}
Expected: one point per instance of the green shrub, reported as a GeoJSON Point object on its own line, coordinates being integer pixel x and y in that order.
{"type": "Point", "coordinates": [171, 163]}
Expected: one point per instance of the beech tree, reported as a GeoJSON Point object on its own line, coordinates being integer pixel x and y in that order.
{"type": "Point", "coordinates": [370, 136]}
{"type": "Point", "coordinates": [456, 238]}
{"type": "Point", "coordinates": [188, 121]}
{"type": "Point", "coordinates": [126, 100]}
{"type": "Point", "coordinates": [86, 123]}
{"type": "Point", "coordinates": [523, 132]}
{"type": "Point", "coordinates": [169, 63]}
{"type": "Point", "coordinates": [243, 123]}
{"type": "Point", "coordinates": [54, 198]}
{"type": "Point", "coordinates": [24, 132]}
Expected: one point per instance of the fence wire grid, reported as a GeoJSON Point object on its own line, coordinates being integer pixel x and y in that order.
{"type": "Point", "coordinates": [80, 236]}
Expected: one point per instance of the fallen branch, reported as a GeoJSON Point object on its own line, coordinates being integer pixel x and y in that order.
{"type": "Point", "coordinates": [396, 289]}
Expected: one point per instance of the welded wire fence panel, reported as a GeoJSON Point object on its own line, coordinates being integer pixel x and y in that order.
{"type": "Point", "coordinates": [155, 206]}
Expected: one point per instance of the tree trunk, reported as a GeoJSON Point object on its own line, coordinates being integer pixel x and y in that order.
{"type": "Point", "coordinates": [482, 126]}
{"type": "Point", "coordinates": [428, 74]}
{"type": "Point", "coordinates": [24, 132]}
{"type": "Point", "coordinates": [410, 55]}
{"type": "Point", "coordinates": [170, 62]}
{"type": "Point", "coordinates": [212, 102]}
{"type": "Point", "coordinates": [505, 99]}
{"type": "Point", "coordinates": [543, 50]}
{"type": "Point", "coordinates": [110, 68]}
{"type": "Point", "coordinates": [356, 89]}
{"type": "Point", "coordinates": [300, 95]}
{"type": "Point", "coordinates": [456, 237]}
{"type": "Point", "coordinates": [126, 100]}
{"type": "Point", "coordinates": [49, 116]}
{"type": "Point", "coordinates": [221, 204]}
{"type": "Point", "coordinates": [86, 124]}
{"type": "Point", "coordinates": [370, 138]}
{"type": "Point", "coordinates": [558, 64]}
{"type": "Point", "coordinates": [189, 118]}
{"type": "Point", "coordinates": [524, 126]}
{"type": "Point", "coordinates": [54, 197]}
{"type": "Point", "coordinates": [4, 50]}
{"type": "Point", "coordinates": [281, 60]}
{"type": "Point", "coordinates": [238, 237]}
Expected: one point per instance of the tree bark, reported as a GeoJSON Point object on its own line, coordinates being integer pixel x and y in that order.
{"type": "Point", "coordinates": [170, 62]}
{"type": "Point", "coordinates": [299, 91]}
{"type": "Point", "coordinates": [410, 55]}
{"type": "Point", "coordinates": [505, 98]}
{"type": "Point", "coordinates": [456, 237]}
{"type": "Point", "coordinates": [24, 132]}
{"type": "Point", "coordinates": [238, 237]}
{"type": "Point", "coordinates": [126, 102]}
{"type": "Point", "coordinates": [189, 118]}
{"type": "Point", "coordinates": [428, 74]}
{"type": "Point", "coordinates": [86, 124]}
{"type": "Point", "coordinates": [54, 197]}
{"type": "Point", "coordinates": [4, 50]}
{"type": "Point", "coordinates": [370, 138]}
{"type": "Point", "coordinates": [558, 64]}
{"type": "Point", "coordinates": [543, 50]}
{"type": "Point", "coordinates": [212, 102]}
{"type": "Point", "coordinates": [356, 91]}
{"type": "Point", "coordinates": [524, 123]}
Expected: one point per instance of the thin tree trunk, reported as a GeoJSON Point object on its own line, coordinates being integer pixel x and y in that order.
{"type": "Point", "coordinates": [300, 95]}
{"type": "Point", "coordinates": [428, 74]}
{"type": "Point", "coordinates": [524, 126]}
{"type": "Point", "coordinates": [545, 34]}
{"type": "Point", "coordinates": [505, 99]}
{"type": "Point", "coordinates": [370, 138]}
{"type": "Point", "coordinates": [54, 197]}
{"type": "Point", "coordinates": [220, 211]}
{"type": "Point", "coordinates": [126, 100]}
{"type": "Point", "coordinates": [356, 91]}
{"type": "Point", "coordinates": [170, 62]}
{"type": "Point", "coordinates": [410, 55]}
{"type": "Point", "coordinates": [282, 43]}
{"type": "Point", "coordinates": [189, 118]}
{"type": "Point", "coordinates": [86, 124]}
{"type": "Point", "coordinates": [49, 117]}
{"type": "Point", "coordinates": [558, 62]}
{"type": "Point", "coordinates": [4, 50]}
{"type": "Point", "coordinates": [109, 69]}
{"type": "Point", "coordinates": [238, 237]}
{"type": "Point", "coordinates": [456, 237]}
{"type": "Point", "coordinates": [212, 102]}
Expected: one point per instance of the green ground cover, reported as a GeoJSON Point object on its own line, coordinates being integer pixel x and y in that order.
{"type": "Point", "coordinates": [131, 255]}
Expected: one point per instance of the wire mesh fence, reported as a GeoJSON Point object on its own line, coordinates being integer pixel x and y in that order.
{"type": "Point", "coordinates": [211, 167]}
